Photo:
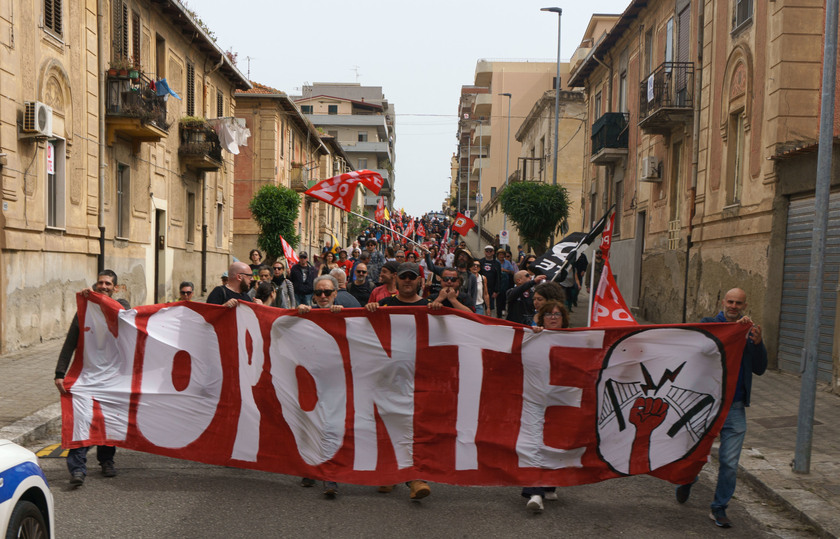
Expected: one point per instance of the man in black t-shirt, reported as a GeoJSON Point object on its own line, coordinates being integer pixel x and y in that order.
{"type": "Point", "coordinates": [450, 293]}
{"type": "Point", "coordinates": [236, 289]}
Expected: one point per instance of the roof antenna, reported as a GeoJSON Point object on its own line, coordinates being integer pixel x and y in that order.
{"type": "Point", "coordinates": [356, 69]}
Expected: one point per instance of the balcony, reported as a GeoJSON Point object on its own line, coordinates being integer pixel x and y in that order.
{"type": "Point", "coordinates": [299, 178]}
{"type": "Point", "coordinates": [481, 134]}
{"type": "Point", "coordinates": [666, 98]}
{"type": "Point", "coordinates": [483, 105]}
{"type": "Point", "coordinates": [609, 138]}
{"type": "Point", "coordinates": [134, 111]}
{"type": "Point", "coordinates": [200, 148]}
{"type": "Point", "coordinates": [479, 163]}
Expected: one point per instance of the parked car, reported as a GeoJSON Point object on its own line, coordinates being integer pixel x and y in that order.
{"type": "Point", "coordinates": [26, 503]}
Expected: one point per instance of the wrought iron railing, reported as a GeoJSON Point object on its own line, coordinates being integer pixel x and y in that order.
{"type": "Point", "coordinates": [134, 98]}
{"type": "Point", "coordinates": [671, 86]}
{"type": "Point", "coordinates": [610, 131]}
{"type": "Point", "coordinates": [200, 140]}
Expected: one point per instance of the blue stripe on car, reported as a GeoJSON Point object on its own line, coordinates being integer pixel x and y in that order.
{"type": "Point", "coordinates": [14, 476]}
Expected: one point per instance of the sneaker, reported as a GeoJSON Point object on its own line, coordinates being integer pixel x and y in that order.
{"type": "Point", "coordinates": [306, 482]}
{"type": "Point", "coordinates": [330, 489]}
{"type": "Point", "coordinates": [77, 479]}
{"type": "Point", "coordinates": [419, 489]}
{"type": "Point", "coordinates": [108, 470]}
{"type": "Point", "coordinates": [719, 516]}
{"type": "Point", "coordinates": [550, 496]}
{"type": "Point", "coordinates": [385, 489]}
{"type": "Point", "coordinates": [683, 492]}
{"type": "Point", "coordinates": [535, 504]}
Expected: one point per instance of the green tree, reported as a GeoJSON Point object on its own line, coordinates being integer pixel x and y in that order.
{"type": "Point", "coordinates": [275, 210]}
{"type": "Point", "coordinates": [537, 211]}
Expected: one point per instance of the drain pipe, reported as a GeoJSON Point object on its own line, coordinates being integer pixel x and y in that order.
{"type": "Point", "coordinates": [101, 46]}
{"type": "Point", "coordinates": [695, 156]}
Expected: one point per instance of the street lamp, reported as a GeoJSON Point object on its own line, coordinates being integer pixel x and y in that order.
{"type": "Point", "coordinates": [559, 13]}
{"type": "Point", "coordinates": [507, 157]}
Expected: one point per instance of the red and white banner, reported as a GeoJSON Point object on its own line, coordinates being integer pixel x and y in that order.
{"type": "Point", "coordinates": [379, 214]}
{"type": "Point", "coordinates": [289, 253]}
{"type": "Point", "coordinates": [462, 224]}
{"type": "Point", "coordinates": [609, 307]}
{"type": "Point", "coordinates": [339, 190]}
{"type": "Point", "coordinates": [405, 392]}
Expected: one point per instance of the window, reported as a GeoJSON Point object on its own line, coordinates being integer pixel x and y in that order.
{"type": "Point", "coordinates": [596, 111]}
{"type": "Point", "coordinates": [190, 217]}
{"type": "Point", "coordinates": [160, 57]}
{"type": "Point", "coordinates": [669, 40]}
{"type": "Point", "coordinates": [332, 109]}
{"type": "Point", "coordinates": [120, 30]}
{"type": "Point", "coordinates": [55, 183]}
{"type": "Point", "coordinates": [648, 52]}
{"type": "Point", "coordinates": [123, 204]}
{"type": "Point", "coordinates": [735, 161]}
{"type": "Point", "coordinates": [220, 224]}
{"type": "Point", "coordinates": [363, 136]}
{"type": "Point", "coordinates": [135, 38]}
{"type": "Point", "coordinates": [362, 163]}
{"type": "Point", "coordinates": [52, 16]}
{"type": "Point", "coordinates": [622, 81]}
{"type": "Point", "coordinates": [190, 90]}
{"type": "Point", "coordinates": [220, 104]}
{"type": "Point", "coordinates": [743, 13]}
{"type": "Point", "coordinates": [282, 139]}
{"type": "Point", "coordinates": [306, 109]}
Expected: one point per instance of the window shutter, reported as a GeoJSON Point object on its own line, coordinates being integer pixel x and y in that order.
{"type": "Point", "coordinates": [220, 104]}
{"type": "Point", "coordinates": [48, 14]}
{"type": "Point", "coordinates": [135, 37]}
{"type": "Point", "coordinates": [116, 28]}
{"type": "Point", "coordinates": [190, 90]}
{"type": "Point", "coordinates": [124, 34]}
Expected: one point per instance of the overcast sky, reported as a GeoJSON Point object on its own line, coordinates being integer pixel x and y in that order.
{"type": "Point", "coordinates": [420, 53]}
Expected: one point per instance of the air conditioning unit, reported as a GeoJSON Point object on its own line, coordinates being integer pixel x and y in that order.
{"type": "Point", "coordinates": [37, 119]}
{"type": "Point", "coordinates": [650, 169]}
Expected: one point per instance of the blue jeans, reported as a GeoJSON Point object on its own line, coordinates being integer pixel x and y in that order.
{"type": "Point", "coordinates": [77, 458]}
{"type": "Point", "coordinates": [731, 440]}
{"type": "Point", "coordinates": [303, 299]}
{"type": "Point", "coordinates": [479, 309]}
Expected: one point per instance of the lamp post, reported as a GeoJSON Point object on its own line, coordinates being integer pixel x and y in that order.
{"type": "Point", "coordinates": [507, 157]}
{"type": "Point", "coordinates": [559, 13]}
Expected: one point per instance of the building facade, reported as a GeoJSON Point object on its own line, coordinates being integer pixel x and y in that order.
{"type": "Point", "coordinates": [153, 201]}
{"type": "Point", "coordinates": [713, 183]}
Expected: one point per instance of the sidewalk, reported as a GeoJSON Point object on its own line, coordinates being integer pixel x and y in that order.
{"type": "Point", "coordinates": [29, 409]}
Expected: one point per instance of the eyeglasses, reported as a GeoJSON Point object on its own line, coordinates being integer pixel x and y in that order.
{"type": "Point", "coordinates": [553, 315]}
{"type": "Point", "coordinates": [408, 276]}
{"type": "Point", "coordinates": [361, 272]}
{"type": "Point", "coordinates": [476, 265]}
{"type": "Point", "coordinates": [251, 275]}
{"type": "Point", "coordinates": [323, 292]}
{"type": "Point", "coordinates": [186, 292]}
{"type": "Point", "coordinates": [449, 279]}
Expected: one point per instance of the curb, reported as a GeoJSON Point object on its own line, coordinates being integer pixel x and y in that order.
{"type": "Point", "coordinates": [46, 421]}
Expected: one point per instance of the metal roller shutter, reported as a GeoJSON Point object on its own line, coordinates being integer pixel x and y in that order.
{"type": "Point", "coordinates": [795, 285]}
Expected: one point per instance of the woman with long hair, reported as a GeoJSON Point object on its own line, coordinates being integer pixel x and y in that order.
{"type": "Point", "coordinates": [328, 263]}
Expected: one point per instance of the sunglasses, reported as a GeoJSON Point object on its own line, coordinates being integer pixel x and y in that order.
{"type": "Point", "coordinates": [449, 279]}
{"type": "Point", "coordinates": [186, 292]}
{"type": "Point", "coordinates": [322, 292]}
{"type": "Point", "coordinates": [278, 268]}
{"type": "Point", "coordinates": [408, 276]}
{"type": "Point", "coordinates": [251, 275]}
{"type": "Point", "coordinates": [361, 272]}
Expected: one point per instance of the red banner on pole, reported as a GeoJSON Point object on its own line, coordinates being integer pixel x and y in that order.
{"type": "Point", "coordinates": [462, 224]}
{"type": "Point", "coordinates": [405, 392]}
{"type": "Point", "coordinates": [339, 190]}
{"type": "Point", "coordinates": [288, 252]}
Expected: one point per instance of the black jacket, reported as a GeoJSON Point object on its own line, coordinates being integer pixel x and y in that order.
{"type": "Point", "coordinates": [303, 286]}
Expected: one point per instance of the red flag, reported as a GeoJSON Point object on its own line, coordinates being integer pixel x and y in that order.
{"type": "Point", "coordinates": [609, 308]}
{"type": "Point", "coordinates": [606, 237]}
{"type": "Point", "coordinates": [409, 230]}
{"type": "Point", "coordinates": [421, 230]}
{"type": "Point", "coordinates": [379, 214]}
{"type": "Point", "coordinates": [462, 224]}
{"type": "Point", "coordinates": [288, 252]}
{"type": "Point", "coordinates": [339, 190]}
{"type": "Point", "coordinates": [445, 241]}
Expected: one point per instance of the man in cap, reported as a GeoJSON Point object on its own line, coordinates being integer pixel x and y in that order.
{"type": "Point", "coordinates": [303, 277]}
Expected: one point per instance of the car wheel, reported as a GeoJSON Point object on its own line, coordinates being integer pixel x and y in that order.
{"type": "Point", "coordinates": [27, 522]}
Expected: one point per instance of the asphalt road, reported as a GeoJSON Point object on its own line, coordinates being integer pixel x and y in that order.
{"type": "Point", "coordinates": [156, 497]}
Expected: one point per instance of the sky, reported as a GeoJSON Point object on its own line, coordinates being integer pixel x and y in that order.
{"type": "Point", "coordinates": [420, 53]}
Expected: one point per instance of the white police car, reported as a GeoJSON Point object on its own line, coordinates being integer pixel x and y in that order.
{"type": "Point", "coordinates": [26, 503]}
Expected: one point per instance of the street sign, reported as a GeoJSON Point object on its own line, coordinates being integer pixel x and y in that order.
{"type": "Point", "coordinates": [467, 214]}
{"type": "Point", "coordinates": [478, 198]}
{"type": "Point", "coordinates": [504, 239]}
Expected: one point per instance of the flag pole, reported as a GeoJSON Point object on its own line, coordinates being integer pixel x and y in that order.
{"type": "Point", "coordinates": [383, 226]}
{"type": "Point", "coordinates": [591, 294]}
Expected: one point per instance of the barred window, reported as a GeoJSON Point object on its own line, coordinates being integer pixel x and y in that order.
{"type": "Point", "coordinates": [52, 16]}
{"type": "Point", "coordinates": [190, 90]}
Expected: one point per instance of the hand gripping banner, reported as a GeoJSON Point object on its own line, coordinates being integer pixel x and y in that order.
{"type": "Point", "coordinates": [405, 392]}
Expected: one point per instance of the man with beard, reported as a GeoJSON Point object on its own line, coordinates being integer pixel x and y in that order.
{"type": "Point", "coordinates": [388, 278]}
{"type": "Point", "coordinates": [236, 289]}
{"type": "Point", "coordinates": [360, 287]}
{"type": "Point", "coordinates": [492, 271]}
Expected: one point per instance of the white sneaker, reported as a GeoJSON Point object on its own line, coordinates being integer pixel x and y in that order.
{"type": "Point", "coordinates": [551, 496]}
{"type": "Point", "coordinates": [535, 504]}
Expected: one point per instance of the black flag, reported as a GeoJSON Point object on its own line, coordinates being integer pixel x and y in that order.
{"type": "Point", "coordinates": [555, 262]}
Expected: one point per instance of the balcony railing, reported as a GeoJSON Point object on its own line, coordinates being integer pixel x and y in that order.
{"type": "Point", "coordinates": [200, 148]}
{"type": "Point", "coordinates": [133, 110]}
{"type": "Point", "coordinates": [666, 97]}
{"type": "Point", "coordinates": [610, 132]}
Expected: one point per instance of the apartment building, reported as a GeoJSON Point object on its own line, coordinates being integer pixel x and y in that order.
{"type": "Point", "coordinates": [286, 149]}
{"type": "Point", "coordinates": [363, 122]}
{"type": "Point", "coordinates": [153, 202]}
{"type": "Point", "coordinates": [703, 123]}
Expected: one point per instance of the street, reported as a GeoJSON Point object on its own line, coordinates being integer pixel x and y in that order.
{"type": "Point", "coordinates": [156, 496]}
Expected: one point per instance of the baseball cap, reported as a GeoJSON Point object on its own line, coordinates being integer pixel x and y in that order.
{"type": "Point", "coordinates": [489, 248]}
{"type": "Point", "coordinates": [303, 254]}
{"type": "Point", "coordinates": [392, 266]}
{"type": "Point", "coordinates": [408, 267]}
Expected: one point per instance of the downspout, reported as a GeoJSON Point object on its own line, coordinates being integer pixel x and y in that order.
{"type": "Point", "coordinates": [101, 46]}
{"type": "Point", "coordinates": [695, 154]}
